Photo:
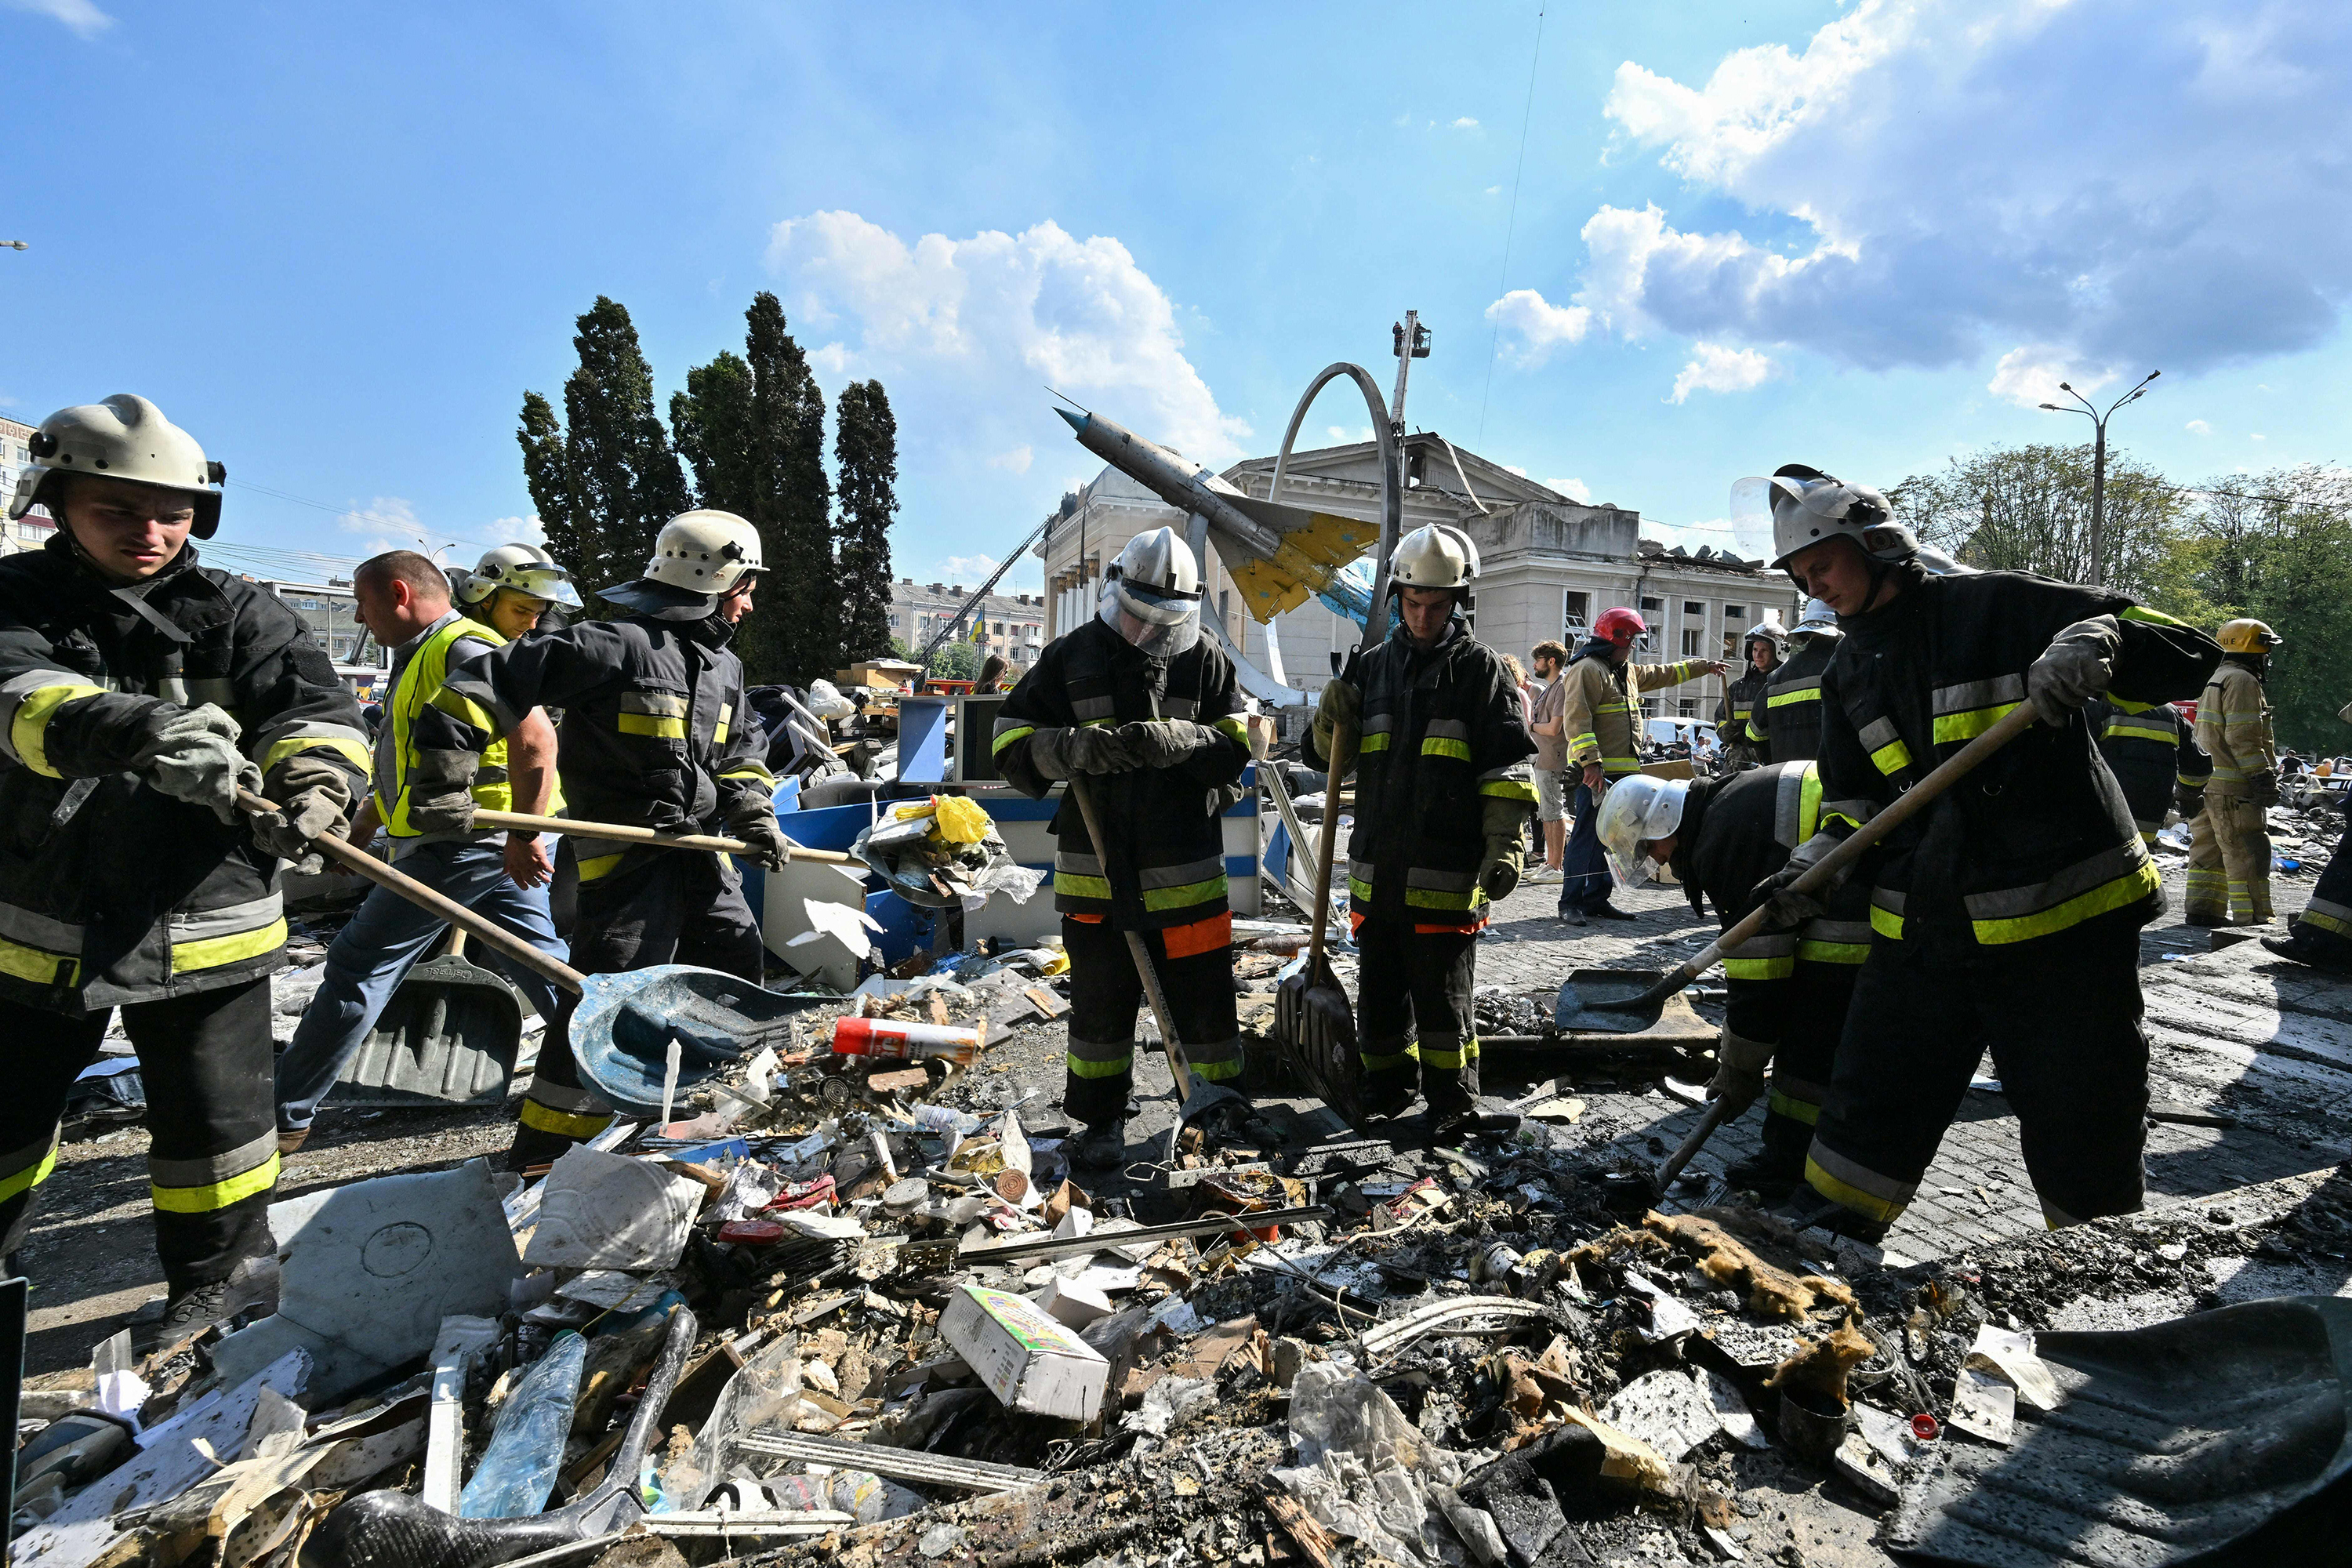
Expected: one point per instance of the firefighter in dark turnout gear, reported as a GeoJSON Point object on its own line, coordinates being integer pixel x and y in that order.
{"type": "Point", "coordinates": [2007, 915]}
{"type": "Point", "coordinates": [1137, 704]}
{"type": "Point", "coordinates": [2156, 760]}
{"type": "Point", "coordinates": [658, 733]}
{"type": "Point", "coordinates": [1737, 712]}
{"type": "Point", "coordinates": [1442, 792]}
{"type": "Point", "coordinates": [1789, 989]}
{"type": "Point", "coordinates": [139, 690]}
{"type": "Point", "coordinates": [1787, 715]}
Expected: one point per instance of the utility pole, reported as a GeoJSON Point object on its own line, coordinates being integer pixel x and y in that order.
{"type": "Point", "coordinates": [2098, 574]}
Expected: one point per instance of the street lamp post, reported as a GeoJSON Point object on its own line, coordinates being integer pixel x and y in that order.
{"type": "Point", "coordinates": [2099, 460]}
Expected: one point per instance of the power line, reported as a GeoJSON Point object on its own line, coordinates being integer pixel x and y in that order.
{"type": "Point", "coordinates": [1510, 227]}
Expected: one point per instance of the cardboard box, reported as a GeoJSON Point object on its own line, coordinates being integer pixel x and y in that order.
{"type": "Point", "coordinates": [1072, 1301]}
{"type": "Point", "coordinates": [1030, 1363]}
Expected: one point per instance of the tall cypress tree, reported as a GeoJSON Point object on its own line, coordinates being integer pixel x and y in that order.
{"type": "Point", "coordinates": [865, 465]}
{"type": "Point", "coordinates": [795, 636]}
{"type": "Point", "coordinates": [711, 421]}
{"type": "Point", "coordinates": [547, 472]}
{"type": "Point", "coordinates": [619, 477]}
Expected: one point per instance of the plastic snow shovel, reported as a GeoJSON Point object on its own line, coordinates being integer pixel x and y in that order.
{"type": "Point", "coordinates": [619, 834]}
{"type": "Point", "coordinates": [449, 1037]}
{"type": "Point", "coordinates": [1314, 1028]}
{"type": "Point", "coordinates": [1198, 1094]}
{"type": "Point", "coordinates": [622, 1030]}
{"type": "Point", "coordinates": [1605, 1001]}
{"type": "Point", "coordinates": [392, 1529]}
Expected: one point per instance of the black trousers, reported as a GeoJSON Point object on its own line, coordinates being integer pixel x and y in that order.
{"type": "Point", "coordinates": [1413, 1016]}
{"type": "Point", "coordinates": [211, 1160]}
{"type": "Point", "coordinates": [2061, 1016]}
{"type": "Point", "coordinates": [1195, 966]}
{"type": "Point", "coordinates": [1820, 995]}
{"type": "Point", "coordinates": [2325, 922]}
{"type": "Point", "coordinates": [658, 906]}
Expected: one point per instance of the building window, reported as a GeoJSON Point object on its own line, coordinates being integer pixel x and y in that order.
{"type": "Point", "coordinates": [1734, 621]}
{"type": "Point", "coordinates": [1658, 605]}
{"type": "Point", "coordinates": [1687, 706]}
{"type": "Point", "coordinates": [1691, 608]}
{"type": "Point", "coordinates": [1694, 641]}
{"type": "Point", "coordinates": [1575, 608]}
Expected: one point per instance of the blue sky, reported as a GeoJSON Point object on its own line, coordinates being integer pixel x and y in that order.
{"type": "Point", "coordinates": [338, 242]}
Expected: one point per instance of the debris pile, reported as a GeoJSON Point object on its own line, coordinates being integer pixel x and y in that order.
{"type": "Point", "coordinates": [850, 1305]}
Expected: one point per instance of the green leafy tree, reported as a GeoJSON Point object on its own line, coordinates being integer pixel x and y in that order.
{"type": "Point", "coordinates": [610, 467]}
{"type": "Point", "coordinates": [796, 637]}
{"type": "Point", "coordinates": [866, 466]}
{"type": "Point", "coordinates": [2028, 509]}
{"type": "Point", "coordinates": [711, 421]}
{"type": "Point", "coordinates": [956, 660]}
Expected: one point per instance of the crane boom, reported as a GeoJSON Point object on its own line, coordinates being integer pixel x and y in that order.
{"type": "Point", "coordinates": [945, 632]}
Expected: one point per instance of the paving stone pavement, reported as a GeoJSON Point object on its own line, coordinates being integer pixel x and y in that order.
{"type": "Point", "coordinates": [1976, 1193]}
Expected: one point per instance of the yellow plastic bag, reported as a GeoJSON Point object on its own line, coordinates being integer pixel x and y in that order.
{"type": "Point", "coordinates": [960, 821]}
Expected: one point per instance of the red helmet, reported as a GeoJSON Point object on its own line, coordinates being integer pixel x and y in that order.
{"type": "Point", "coordinates": [1620, 625]}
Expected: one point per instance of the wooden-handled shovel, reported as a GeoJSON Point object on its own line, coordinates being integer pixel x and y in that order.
{"type": "Point", "coordinates": [1595, 1008]}
{"type": "Point", "coordinates": [618, 834]}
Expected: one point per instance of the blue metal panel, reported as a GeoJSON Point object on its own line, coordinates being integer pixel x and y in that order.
{"type": "Point", "coordinates": [906, 930]}
{"type": "Point", "coordinates": [922, 740]}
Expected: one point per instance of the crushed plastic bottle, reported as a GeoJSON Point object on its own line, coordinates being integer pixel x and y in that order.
{"type": "Point", "coordinates": [518, 1469]}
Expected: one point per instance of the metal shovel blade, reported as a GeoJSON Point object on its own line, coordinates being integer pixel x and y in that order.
{"type": "Point", "coordinates": [449, 1037]}
{"type": "Point", "coordinates": [1315, 1035]}
{"type": "Point", "coordinates": [1609, 1001]}
{"type": "Point", "coordinates": [622, 1030]}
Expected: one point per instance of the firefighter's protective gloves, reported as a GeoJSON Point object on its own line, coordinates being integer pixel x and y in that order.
{"type": "Point", "coordinates": [191, 754]}
{"type": "Point", "coordinates": [752, 819]}
{"type": "Point", "coordinates": [441, 790]}
{"type": "Point", "coordinates": [1164, 743]}
{"type": "Point", "coordinates": [1341, 707]}
{"type": "Point", "coordinates": [2263, 788]}
{"type": "Point", "coordinates": [1739, 1065]}
{"type": "Point", "coordinates": [1499, 873]}
{"type": "Point", "coordinates": [313, 796]}
{"type": "Point", "coordinates": [1502, 820]}
{"type": "Point", "coordinates": [2075, 667]}
{"type": "Point", "coordinates": [1784, 909]}
{"type": "Point", "coordinates": [2187, 800]}
{"type": "Point", "coordinates": [1063, 753]}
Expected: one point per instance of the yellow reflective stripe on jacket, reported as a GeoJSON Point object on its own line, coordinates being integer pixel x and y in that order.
{"type": "Point", "coordinates": [2129, 889]}
{"type": "Point", "coordinates": [29, 735]}
{"type": "Point", "coordinates": [1778, 967]}
{"type": "Point", "coordinates": [1892, 757]}
{"type": "Point", "coordinates": [1376, 742]}
{"type": "Point", "coordinates": [718, 731]}
{"type": "Point", "coordinates": [205, 1198]}
{"type": "Point", "coordinates": [345, 746]}
{"type": "Point", "coordinates": [1579, 742]}
{"type": "Point", "coordinates": [655, 724]}
{"type": "Point", "coordinates": [1444, 746]}
{"type": "Point", "coordinates": [1812, 951]}
{"type": "Point", "coordinates": [1232, 728]}
{"type": "Point", "coordinates": [1967, 726]}
{"type": "Point", "coordinates": [1811, 692]}
{"type": "Point", "coordinates": [1078, 887]}
{"type": "Point", "coordinates": [38, 965]}
{"type": "Point", "coordinates": [1886, 922]}
{"type": "Point", "coordinates": [2120, 730]}
{"type": "Point", "coordinates": [2152, 617]}
{"type": "Point", "coordinates": [562, 1123]}
{"type": "Point", "coordinates": [1006, 737]}
{"type": "Point", "coordinates": [1158, 899]}
{"type": "Point", "coordinates": [594, 866]}
{"type": "Point", "coordinates": [1509, 789]}
{"type": "Point", "coordinates": [212, 952]}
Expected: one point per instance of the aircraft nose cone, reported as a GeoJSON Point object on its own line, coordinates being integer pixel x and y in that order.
{"type": "Point", "coordinates": [1077, 422]}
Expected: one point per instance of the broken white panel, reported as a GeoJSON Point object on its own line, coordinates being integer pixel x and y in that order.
{"type": "Point", "coordinates": [787, 896]}
{"type": "Point", "coordinates": [368, 1275]}
{"type": "Point", "coordinates": [461, 1339]}
{"type": "Point", "coordinates": [1731, 1412]}
{"type": "Point", "coordinates": [2010, 1353]}
{"type": "Point", "coordinates": [1666, 1410]}
{"type": "Point", "coordinates": [608, 1211]}
{"type": "Point", "coordinates": [171, 1457]}
{"type": "Point", "coordinates": [1984, 1403]}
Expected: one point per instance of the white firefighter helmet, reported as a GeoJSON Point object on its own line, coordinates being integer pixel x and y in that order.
{"type": "Point", "coordinates": [525, 568]}
{"type": "Point", "coordinates": [1152, 593]}
{"type": "Point", "coordinates": [705, 552]}
{"type": "Point", "coordinates": [1434, 556]}
{"type": "Point", "coordinates": [1809, 506]}
{"type": "Point", "coordinates": [1768, 630]}
{"type": "Point", "coordinates": [1638, 810]}
{"type": "Point", "coordinates": [1819, 621]}
{"type": "Point", "coordinates": [124, 437]}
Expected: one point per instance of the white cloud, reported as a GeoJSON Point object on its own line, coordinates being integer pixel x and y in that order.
{"type": "Point", "coordinates": [2256, 435]}
{"type": "Point", "coordinates": [85, 18]}
{"type": "Point", "coordinates": [2028, 374]}
{"type": "Point", "coordinates": [2197, 427]}
{"type": "Point", "coordinates": [1493, 190]}
{"type": "Point", "coordinates": [969, 570]}
{"type": "Point", "coordinates": [1537, 325]}
{"type": "Point", "coordinates": [386, 515]}
{"type": "Point", "coordinates": [1510, 468]}
{"type": "Point", "coordinates": [513, 530]}
{"type": "Point", "coordinates": [1466, 123]}
{"type": "Point", "coordinates": [1717, 368]}
{"type": "Point", "coordinates": [1337, 432]}
{"type": "Point", "coordinates": [1016, 461]}
{"type": "Point", "coordinates": [1923, 183]}
{"type": "Point", "coordinates": [1574, 490]}
{"type": "Point", "coordinates": [967, 332]}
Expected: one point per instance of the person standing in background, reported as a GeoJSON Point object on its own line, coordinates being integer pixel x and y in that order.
{"type": "Point", "coordinates": [1550, 764]}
